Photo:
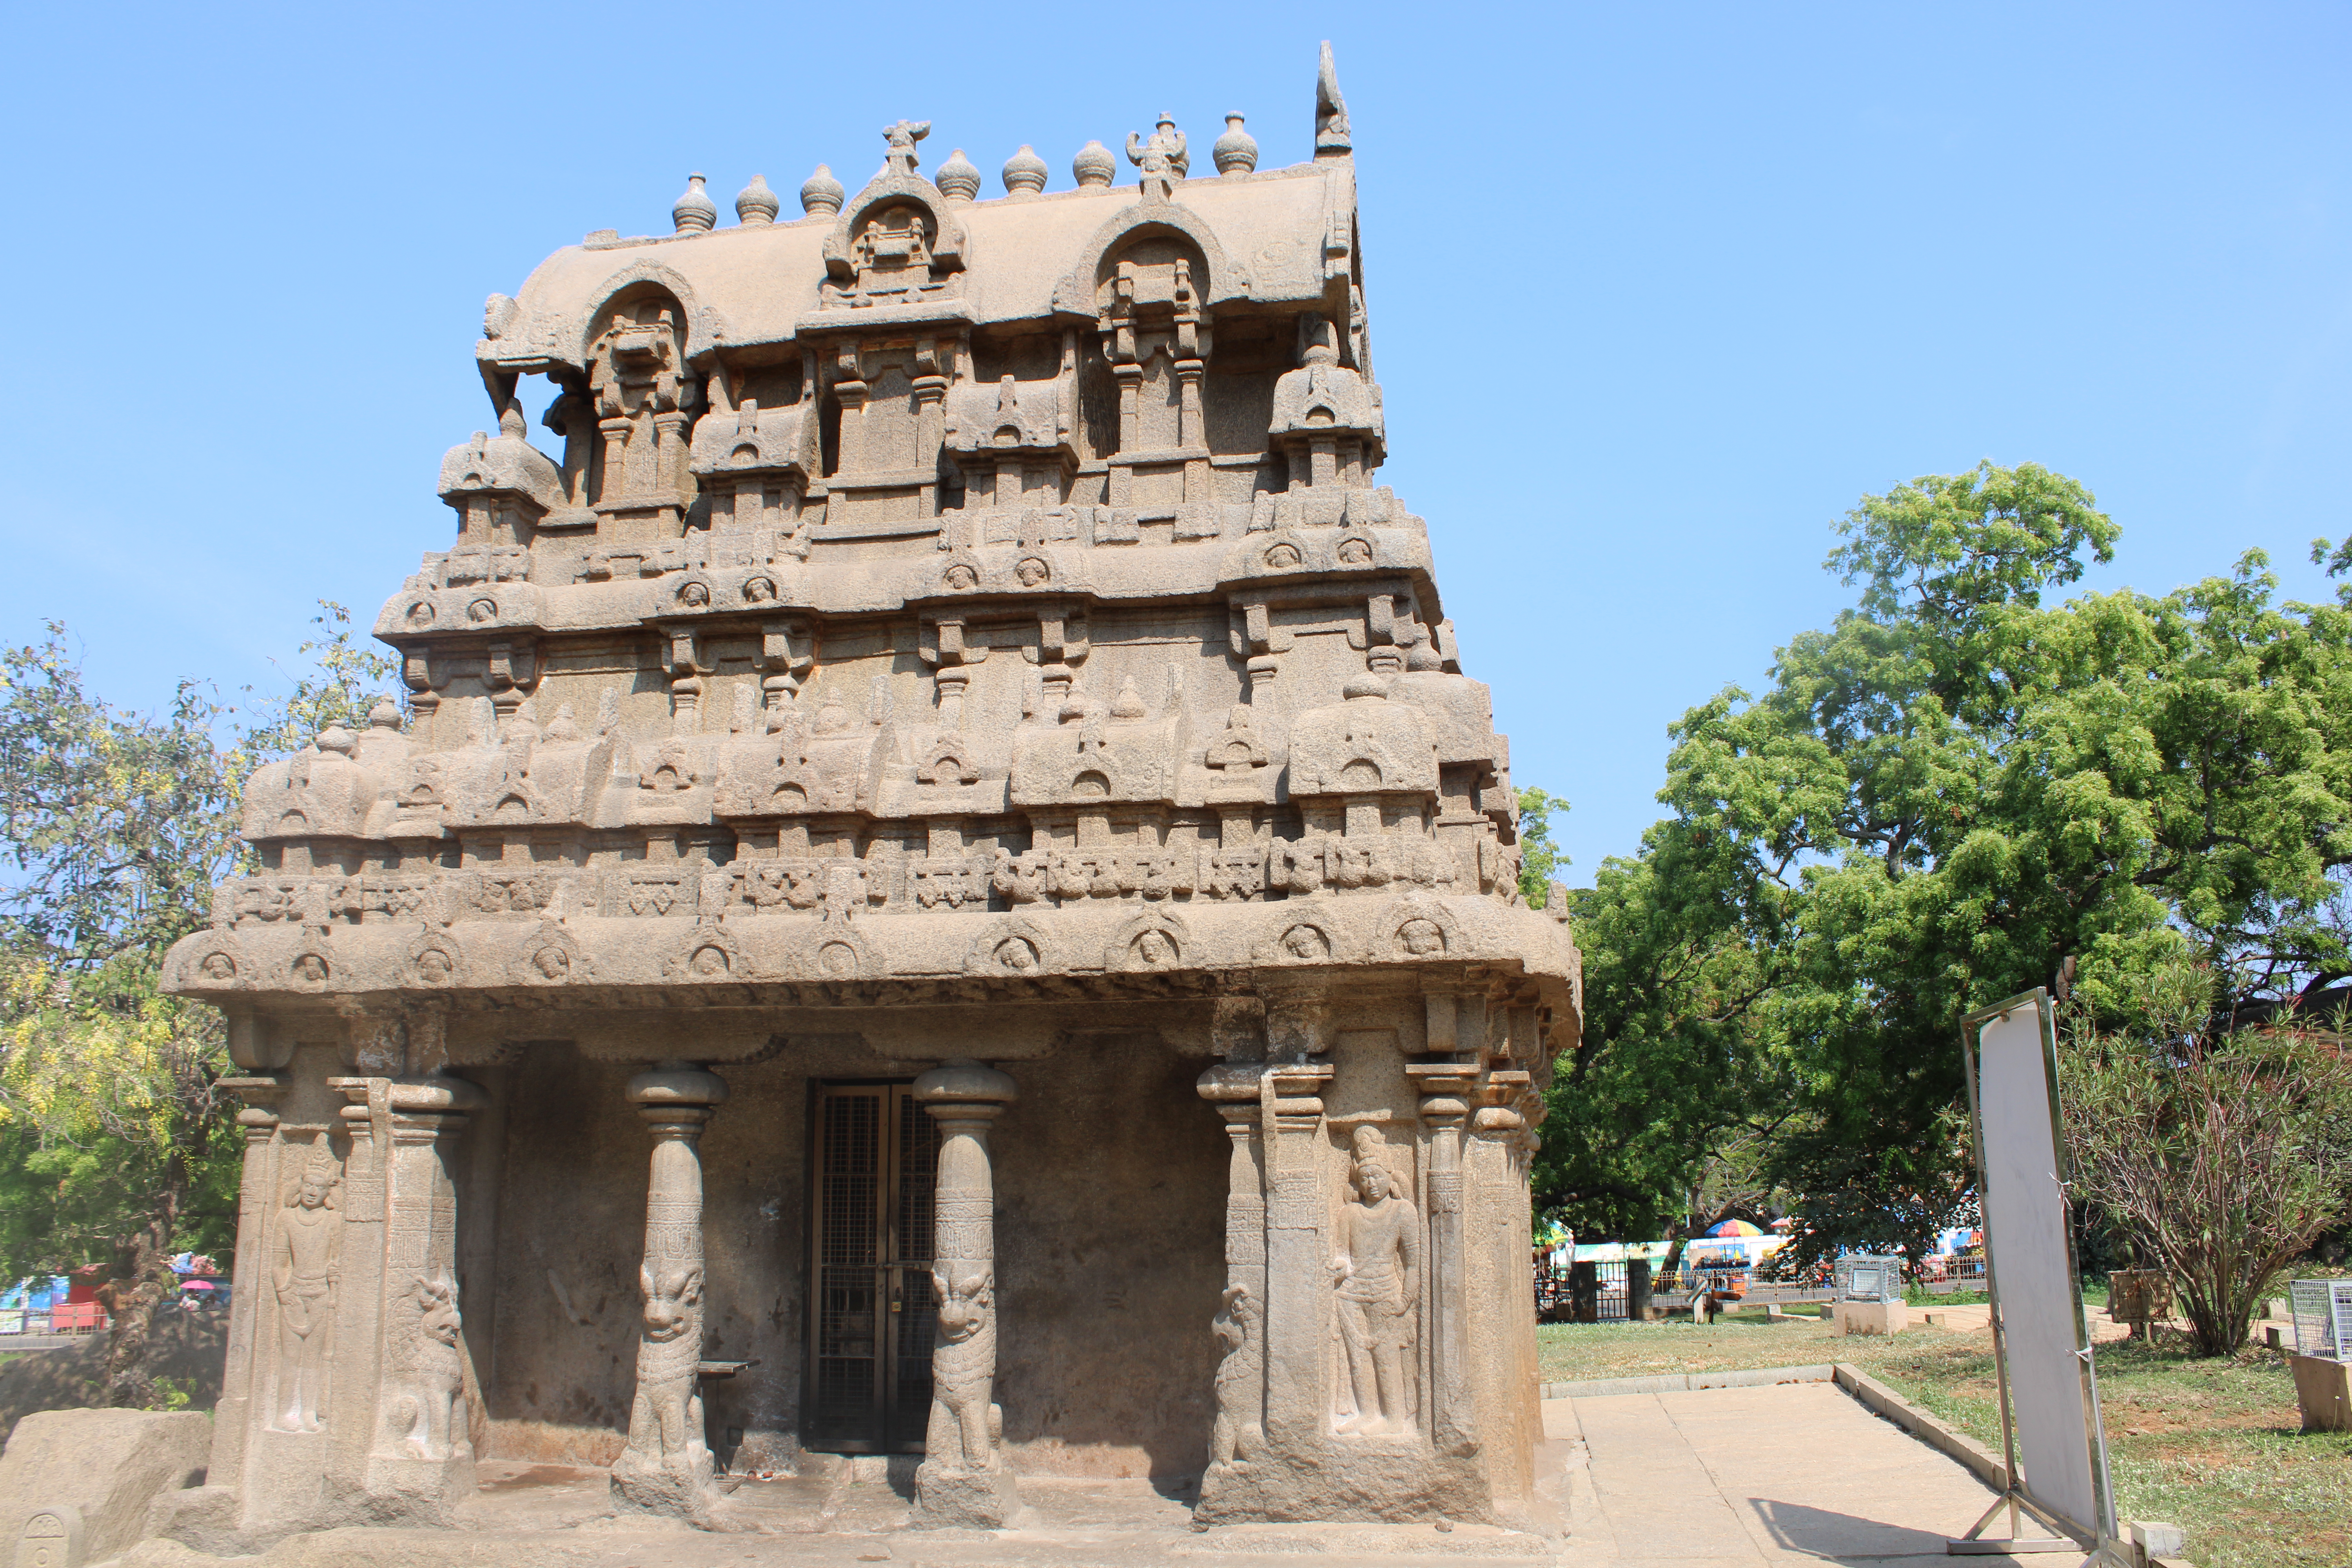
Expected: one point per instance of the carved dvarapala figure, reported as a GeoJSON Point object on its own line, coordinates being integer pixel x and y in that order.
{"type": "Point", "coordinates": [965, 1426]}
{"type": "Point", "coordinates": [1379, 1279]}
{"type": "Point", "coordinates": [305, 1265]}
{"type": "Point", "coordinates": [1236, 1432]}
{"type": "Point", "coordinates": [665, 1424]}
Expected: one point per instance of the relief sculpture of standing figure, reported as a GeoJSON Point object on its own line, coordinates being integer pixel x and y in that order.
{"type": "Point", "coordinates": [305, 1262]}
{"type": "Point", "coordinates": [1378, 1277]}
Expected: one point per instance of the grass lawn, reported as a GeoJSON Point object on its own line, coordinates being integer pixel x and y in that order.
{"type": "Point", "coordinates": [2215, 1447]}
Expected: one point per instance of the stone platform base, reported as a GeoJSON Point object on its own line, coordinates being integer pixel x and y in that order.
{"type": "Point", "coordinates": [968, 1500]}
{"type": "Point", "coordinates": [552, 1516]}
{"type": "Point", "coordinates": [1358, 1482]}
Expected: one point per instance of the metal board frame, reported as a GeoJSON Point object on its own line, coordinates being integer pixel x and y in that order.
{"type": "Point", "coordinates": [2096, 1532]}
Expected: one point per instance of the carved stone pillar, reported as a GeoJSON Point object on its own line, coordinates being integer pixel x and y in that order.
{"type": "Point", "coordinates": [1239, 1323]}
{"type": "Point", "coordinates": [1444, 1110]}
{"type": "Point", "coordinates": [667, 1467]}
{"type": "Point", "coordinates": [247, 1367]}
{"type": "Point", "coordinates": [964, 1480]}
{"type": "Point", "coordinates": [401, 1430]}
{"type": "Point", "coordinates": [1298, 1258]}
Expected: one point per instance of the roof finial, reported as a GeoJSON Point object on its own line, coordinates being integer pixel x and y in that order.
{"type": "Point", "coordinates": [694, 213]}
{"type": "Point", "coordinates": [1024, 173]}
{"type": "Point", "coordinates": [958, 179]}
{"type": "Point", "coordinates": [1094, 166]}
{"type": "Point", "coordinates": [822, 195]}
{"type": "Point", "coordinates": [757, 203]}
{"type": "Point", "coordinates": [1162, 159]}
{"type": "Point", "coordinates": [1236, 150]}
{"type": "Point", "coordinates": [902, 137]}
{"type": "Point", "coordinates": [1331, 135]}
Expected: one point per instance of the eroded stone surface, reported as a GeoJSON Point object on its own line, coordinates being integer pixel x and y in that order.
{"type": "Point", "coordinates": [945, 637]}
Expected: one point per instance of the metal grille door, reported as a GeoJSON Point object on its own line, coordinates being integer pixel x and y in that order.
{"type": "Point", "coordinates": [870, 1355]}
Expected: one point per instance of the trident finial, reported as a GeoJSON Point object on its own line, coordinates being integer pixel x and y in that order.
{"type": "Point", "coordinates": [902, 138]}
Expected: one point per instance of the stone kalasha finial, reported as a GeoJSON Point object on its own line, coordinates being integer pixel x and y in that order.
{"type": "Point", "coordinates": [694, 213]}
{"type": "Point", "coordinates": [900, 159]}
{"type": "Point", "coordinates": [1094, 166]}
{"type": "Point", "coordinates": [1024, 173]}
{"type": "Point", "coordinates": [756, 204]}
{"type": "Point", "coordinates": [821, 195]}
{"type": "Point", "coordinates": [1236, 150]}
{"type": "Point", "coordinates": [385, 715]}
{"type": "Point", "coordinates": [1161, 157]}
{"type": "Point", "coordinates": [959, 178]}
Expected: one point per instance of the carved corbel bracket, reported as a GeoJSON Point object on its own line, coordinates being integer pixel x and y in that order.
{"type": "Point", "coordinates": [944, 645]}
{"type": "Point", "coordinates": [1062, 636]}
{"type": "Point", "coordinates": [511, 671]}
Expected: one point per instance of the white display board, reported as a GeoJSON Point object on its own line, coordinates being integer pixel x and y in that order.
{"type": "Point", "coordinates": [2060, 1457]}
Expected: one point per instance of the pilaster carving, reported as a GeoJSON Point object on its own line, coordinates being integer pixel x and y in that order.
{"type": "Point", "coordinates": [248, 1361]}
{"type": "Point", "coordinates": [964, 1480]}
{"type": "Point", "coordinates": [1444, 1110]}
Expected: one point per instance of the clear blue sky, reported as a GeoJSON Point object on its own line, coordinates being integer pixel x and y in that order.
{"type": "Point", "coordinates": [1656, 291]}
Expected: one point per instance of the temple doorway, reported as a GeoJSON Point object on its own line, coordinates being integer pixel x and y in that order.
{"type": "Point", "coordinates": [876, 1158]}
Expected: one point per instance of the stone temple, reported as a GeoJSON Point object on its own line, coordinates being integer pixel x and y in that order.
{"type": "Point", "coordinates": [941, 892]}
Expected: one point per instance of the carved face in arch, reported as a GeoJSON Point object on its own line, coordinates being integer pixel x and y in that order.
{"type": "Point", "coordinates": [960, 577]}
{"type": "Point", "coordinates": [1421, 938]}
{"type": "Point", "coordinates": [1032, 571]}
{"type": "Point", "coordinates": [694, 595]}
{"type": "Point", "coordinates": [1355, 553]}
{"type": "Point", "coordinates": [1016, 953]}
{"type": "Point", "coordinates": [436, 967]}
{"type": "Point", "coordinates": [758, 590]}
{"type": "Point", "coordinates": [310, 969]}
{"type": "Point", "coordinates": [837, 958]}
{"type": "Point", "coordinates": [709, 961]}
{"type": "Point", "coordinates": [420, 614]}
{"type": "Point", "coordinates": [482, 610]}
{"type": "Point", "coordinates": [1305, 941]}
{"type": "Point", "coordinates": [1282, 557]}
{"type": "Point", "coordinates": [219, 966]}
{"type": "Point", "coordinates": [1154, 950]}
{"type": "Point", "coordinates": [552, 962]}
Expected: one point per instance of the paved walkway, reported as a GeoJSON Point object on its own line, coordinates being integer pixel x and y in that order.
{"type": "Point", "coordinates": [1789, 1473]}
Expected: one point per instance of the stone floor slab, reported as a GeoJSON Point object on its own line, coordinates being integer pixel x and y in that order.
{"type": "Point", "coordinates": [1785, 1473]}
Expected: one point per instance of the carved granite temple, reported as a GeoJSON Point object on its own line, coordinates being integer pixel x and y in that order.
{"type": "Point", "coordinates": [940, 889]}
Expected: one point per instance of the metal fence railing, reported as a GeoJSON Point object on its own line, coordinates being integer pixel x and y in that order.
{"type": "Point", "coordinates": [65, 1318]}
{"type": "Point", "coordinates": [1599, 1292]}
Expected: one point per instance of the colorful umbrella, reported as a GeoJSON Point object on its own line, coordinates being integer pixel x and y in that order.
{"type": "Point", "coordinates": [1735, 1227]}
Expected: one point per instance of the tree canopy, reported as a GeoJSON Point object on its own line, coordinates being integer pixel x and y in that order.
{"type": "Point", "coordinates": [1955, 793]}
{"type": "Point", "coordinates": [115, 1146]}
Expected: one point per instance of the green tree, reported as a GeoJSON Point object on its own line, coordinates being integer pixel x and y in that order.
{"type": "Point", "coordinates": [2220, 1154]}
{"type": "Point", "coordinates": [1539, 857]}
{"type": "Point", "coordinates": [1954, 794]}
{"type": "Point", "coordinates": [114, 1142]}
